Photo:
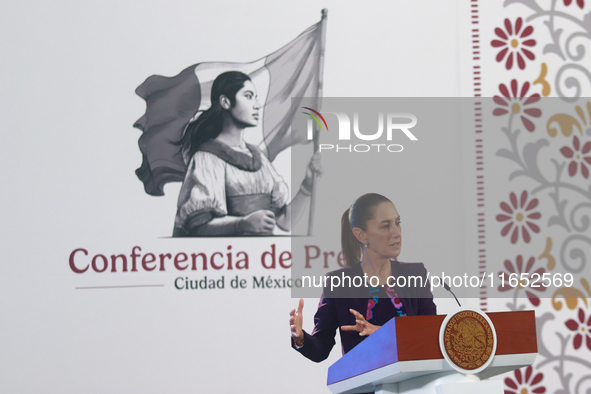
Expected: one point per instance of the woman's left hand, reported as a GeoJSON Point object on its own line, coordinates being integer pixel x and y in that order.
{"type": "Point", "coordinates": [314, 167]}
{"type": "Point", "coordinates": [363, 326]}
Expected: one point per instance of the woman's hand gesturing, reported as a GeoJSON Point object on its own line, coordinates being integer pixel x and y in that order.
{"type": "Point", "coordinates": [363, 327]}
{"type": "Point", "coordinates": [295, 323]}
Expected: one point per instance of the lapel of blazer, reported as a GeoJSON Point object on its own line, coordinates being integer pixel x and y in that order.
{"type": "Point", "coordinates": [407, 302]}
{"type": "Point", "coordinates": [358, 304]}
{"type": "Point", "coordinates": [360, 296]}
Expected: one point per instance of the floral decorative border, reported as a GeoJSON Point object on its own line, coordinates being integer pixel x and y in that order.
{"type": "Point", "coordinates": [552, 36]}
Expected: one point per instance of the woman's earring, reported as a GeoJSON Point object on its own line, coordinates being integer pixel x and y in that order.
{"type": "Point", "coordinates": [365, 245]}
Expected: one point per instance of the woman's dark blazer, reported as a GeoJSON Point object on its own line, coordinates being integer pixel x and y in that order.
{"type": "Point", "coordinates": [333, 309]}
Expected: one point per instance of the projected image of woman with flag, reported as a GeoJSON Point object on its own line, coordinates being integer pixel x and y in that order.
{"type": "Point", "coordinates": [230, 187]}
{"type": "Point", "coordinates": [194, 129]}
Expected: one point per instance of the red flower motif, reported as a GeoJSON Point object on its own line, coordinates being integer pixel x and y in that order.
{"type": "Point", "coordinates": [580, 3]}
{"type": "Point", "coordinates": [578, 157]}
{"type": "Point", "coordinates": [537, 286]}
{"type": "Point", "coordinates": [581, 328]}
{"type": "Point", "coordinates": [514, 101]}
{"type": "Point", "coordinates": [525, 384]}
{"type": "Point", "coordinates": [513, 42]}
{"type": "Point", "coordinates": [517, 215]}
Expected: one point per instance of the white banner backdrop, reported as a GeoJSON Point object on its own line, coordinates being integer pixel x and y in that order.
{"type": "Point", "coordinates": [69, 152]}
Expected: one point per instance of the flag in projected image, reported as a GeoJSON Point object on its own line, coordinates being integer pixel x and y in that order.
{"type": "Point", "coordinates": [172, 102]}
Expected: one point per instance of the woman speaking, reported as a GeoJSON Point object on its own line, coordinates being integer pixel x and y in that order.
{"type": "Point", "coordinates": [371, 239]}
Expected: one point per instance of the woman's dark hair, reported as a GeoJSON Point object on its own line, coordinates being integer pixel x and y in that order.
{"type": "Point", "coordinates": [361, 211]}
{"type": "Point", "coordinates": [209, 124]}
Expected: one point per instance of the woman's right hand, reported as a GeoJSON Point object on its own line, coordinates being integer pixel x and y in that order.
{"type": "Point", "coordinates": [258, 222]}
{"type": "Point", "coordinates": [295, 323]}
{"type": "Point", "coordinates": [362, 326]}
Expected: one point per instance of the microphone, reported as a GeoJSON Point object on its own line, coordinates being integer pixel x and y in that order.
{"type": "Point", "coordinates": [446, 286]}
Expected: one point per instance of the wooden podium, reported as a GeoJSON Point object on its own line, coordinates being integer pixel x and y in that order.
{"type": "Point", "coordinates": [404, 356]}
